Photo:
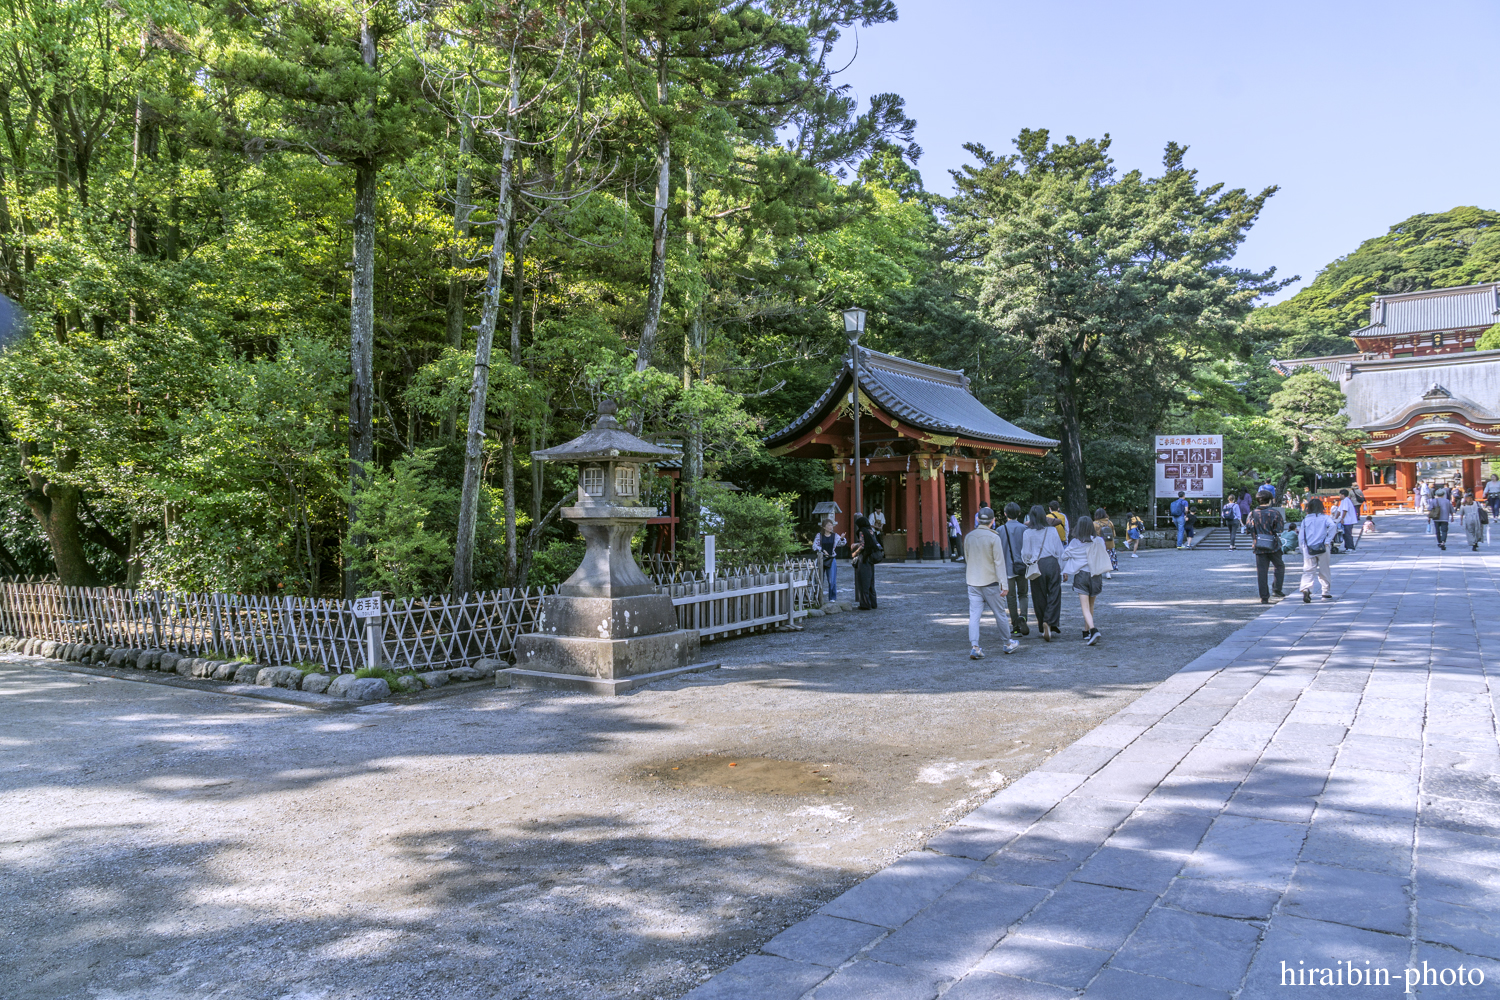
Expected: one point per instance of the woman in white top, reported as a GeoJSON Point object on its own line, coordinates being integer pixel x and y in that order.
{"type": "Point", "coordinates": [1084, 562]}
{"type": "Point", "coordinates": [1041, 545]}
{"type": "Point", "coordinates": [1314, 537]}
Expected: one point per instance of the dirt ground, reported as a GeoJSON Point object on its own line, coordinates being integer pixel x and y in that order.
{"type": "Point", "coordinates": [157, 842]}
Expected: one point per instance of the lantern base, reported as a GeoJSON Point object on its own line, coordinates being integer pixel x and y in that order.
{"type": "Point", "coordinates": [607, 659]}
{"type": "Point", "coordinates": [605, 617]}
{"type": "Point", "coordinates": [523, 678]}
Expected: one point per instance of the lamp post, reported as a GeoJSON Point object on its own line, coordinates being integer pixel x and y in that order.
{"type": "Point", "coordinates": [854, 325]}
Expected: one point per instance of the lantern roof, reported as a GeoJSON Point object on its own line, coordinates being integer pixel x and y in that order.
{"type": "Point", "coordinates": [604, 442]}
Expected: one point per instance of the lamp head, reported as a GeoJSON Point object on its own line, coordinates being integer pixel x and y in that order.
{"type": "Point", "coordinates": [854, 323]}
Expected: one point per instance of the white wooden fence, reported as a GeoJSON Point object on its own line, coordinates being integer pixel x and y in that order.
{"type": "Point", "coordinates": [419, 633]}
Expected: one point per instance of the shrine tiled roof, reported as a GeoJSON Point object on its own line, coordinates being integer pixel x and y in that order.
{"type": "Point", "coordinates": [1464, 307]}
{"type": "Point", "coordinates": [931, 399]}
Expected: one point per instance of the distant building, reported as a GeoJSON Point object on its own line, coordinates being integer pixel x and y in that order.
{"type": "Point", "coordinates": [1418, 387]}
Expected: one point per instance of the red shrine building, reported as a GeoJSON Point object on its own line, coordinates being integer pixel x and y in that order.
{"type": "Point", "coordinates": [919, 427]}
{"type": "Point", "coordinates": [1419, 389]}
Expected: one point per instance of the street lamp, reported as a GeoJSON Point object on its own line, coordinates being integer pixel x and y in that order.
{"type": "Point", "coordinates": [854, 325]}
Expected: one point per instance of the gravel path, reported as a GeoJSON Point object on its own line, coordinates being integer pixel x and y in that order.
{"type": "Point", "coordinates": [160, 842]}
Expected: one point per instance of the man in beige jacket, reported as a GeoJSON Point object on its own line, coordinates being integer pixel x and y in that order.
{"type": "Point", "coordinates": [986, 572]}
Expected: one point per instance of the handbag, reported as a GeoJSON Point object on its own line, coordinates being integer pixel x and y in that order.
{"type": "Point", "coordinates": [1098, 559]}
{"type": "Point", "coordinates": [1033, 570]}
{"type": "Point", "coordinates": [1263, 541]}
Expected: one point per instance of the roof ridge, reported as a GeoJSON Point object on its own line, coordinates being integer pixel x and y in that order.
{"type": "Point", "coordinates": [915, 369]}
{"type": "Point", "coordinates": [1435, 292]}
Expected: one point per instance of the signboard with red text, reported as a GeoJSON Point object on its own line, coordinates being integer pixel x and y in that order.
{"type": "Point", "coordinates": [1190, 463]}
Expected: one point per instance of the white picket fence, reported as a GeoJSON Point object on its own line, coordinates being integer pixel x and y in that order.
{"type": "Point", "coordinates": [425, 633]}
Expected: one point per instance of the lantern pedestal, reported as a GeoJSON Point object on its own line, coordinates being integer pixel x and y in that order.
{"type": "Point", "coordinates": [607, 630]}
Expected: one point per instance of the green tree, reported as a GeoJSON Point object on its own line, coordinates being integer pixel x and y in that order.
{"type": "Point", "coordinates": [1318, 438]}
{"type": "Point", "coordinates": [1116, 285]}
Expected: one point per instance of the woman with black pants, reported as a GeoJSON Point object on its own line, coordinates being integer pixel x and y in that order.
{"type": "Point", "coordinates": [1041, 545]}
{"type": "Point", "coordinates": [862, 546]}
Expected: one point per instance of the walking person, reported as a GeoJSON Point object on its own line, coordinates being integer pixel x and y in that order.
{"type": "Point", "coordinates": [1347, 512]}
{"type": "Point", "coordinates": [1042, 550]}
{"type": "Point", "coordinates": [955, 538]}
{"type": "Point", "coordinates": [1314, 534]}
{"type": "Point", "coordinates": [1178, 510]}
{"type": "Point", "coordinates": [1104, 528]}
{"type": "Point", "coordinates": [1424, 495]}
{"type": "Point", "coordinates": [1058, 520]}
{"type": "Point", "coordinates": [1231, 515]}
{"type": "Point", "coordinates": [826, 544]}
{"type": "Point", "coordinates": [1492, 494]}
{"type": "Point", "coordinates": [1266, 525]}
{"type": "Point", "coordinates": [1473, 517]}
{"type": "Point", "coordinates": [1135, 530]}
{"type": "Point", "coordinates": [987, 571]}
{"type": "Point", "coordinates": [1012, 538]}
{"type": "Point", "coordinates": [864, 553]}
{"type": "Point", "coordinates": [1440, 512]}
{"type": "Point", "coordinates": [1083, 563]}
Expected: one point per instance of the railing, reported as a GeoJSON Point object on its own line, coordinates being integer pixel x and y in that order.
{"type": "Point", "coordinates": [425, 633]}
{"type": "Point", "coordinates": [747, 600]}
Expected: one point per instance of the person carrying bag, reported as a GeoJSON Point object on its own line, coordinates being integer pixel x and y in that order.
{"type": "Point", "coordinates": [1315, 532]}
{"type": "Point", "coordinates": [1266, 525]}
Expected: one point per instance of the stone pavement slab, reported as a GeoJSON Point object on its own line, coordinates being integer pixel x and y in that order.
{"type": "Point", "coordinates": [1311, 803]}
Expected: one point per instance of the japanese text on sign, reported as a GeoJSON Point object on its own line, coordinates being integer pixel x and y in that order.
{"type": "Point", "coordinates": [1192, 464]}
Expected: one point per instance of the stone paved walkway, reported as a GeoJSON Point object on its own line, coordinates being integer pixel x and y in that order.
{"type": "Point", "coordinates": [1316, 797]}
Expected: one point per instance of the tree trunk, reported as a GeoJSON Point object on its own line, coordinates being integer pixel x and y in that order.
{"type": "Point", "coordinates": [55, 506]}
{"type": "Point", "coordinates": [361, 354]}
{"type": "Point", "coordinates": [133, 563]}
{"type": "Point", "coordinates": [468, 511]}
{"type": "Point", "coordinates": [1075, 494]}
{"type": "Point", "coordinates": [658, 285]}
{"type": "Point", "coordinates": [518, 290]}
{"type": "Point", "coordinates": [462, 208]}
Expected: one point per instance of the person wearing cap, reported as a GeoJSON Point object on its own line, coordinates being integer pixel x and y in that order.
{"type": "Point", "coordinates": [986, 572]}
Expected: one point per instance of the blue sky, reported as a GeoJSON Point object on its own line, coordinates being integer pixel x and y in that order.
{"type": "Point", "coordinates": [1362, 113]}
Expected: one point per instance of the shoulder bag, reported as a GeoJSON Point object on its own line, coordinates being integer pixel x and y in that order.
{"type": "Point", "coordinates": [1263, 540]}
{"type": "Point", "coordinates": [1312, 549]}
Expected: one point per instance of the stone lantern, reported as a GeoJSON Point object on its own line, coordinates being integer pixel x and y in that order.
{"type": "Point", "coordinates": [607, 629]}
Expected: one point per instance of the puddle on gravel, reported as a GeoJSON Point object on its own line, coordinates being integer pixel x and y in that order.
{"type": "Point", "coordinates": [765, 775]}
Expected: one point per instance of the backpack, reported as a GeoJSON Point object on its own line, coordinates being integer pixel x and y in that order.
{"type": "Point", "coordinates": [877, 551]}
{"type": "Point", "coordinates": [1358, 495]}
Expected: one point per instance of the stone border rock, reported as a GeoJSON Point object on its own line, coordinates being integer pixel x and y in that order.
{"type": "Point", "coordinates": [330, 687]}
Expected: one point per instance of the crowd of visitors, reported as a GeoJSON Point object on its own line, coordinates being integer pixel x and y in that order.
{"type": "Point", "coordinates": [1029, 558]}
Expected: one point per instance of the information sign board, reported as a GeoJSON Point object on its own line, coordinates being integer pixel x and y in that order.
{"type": "Point", "coordinates": [1190, 463]}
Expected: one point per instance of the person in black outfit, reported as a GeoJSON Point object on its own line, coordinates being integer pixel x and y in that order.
{"type": "Point", "coordinates": [1267, 520]}
{"type": "Point", "coordinates": [864, 570]}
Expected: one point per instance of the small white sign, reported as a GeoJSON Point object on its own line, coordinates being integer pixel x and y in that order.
{"type": "Point", "coordinates": [710, 563]}
{"type": "Point", "coordinates": [367, 607]}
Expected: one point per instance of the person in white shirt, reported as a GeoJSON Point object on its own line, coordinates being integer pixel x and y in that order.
{"type": "Point", "coordinates": [987, 571]}
{"type": "Point", "coordinates": [1492, 494]}
{"type": "Point", "coordinates": [1314, 538]}
{"type": "Point", "coordinates": [1084, 562]}
{"type": "Point", "coordinates": [1347, 513]}
{"type": "Point", "coordinates": [877, 521]}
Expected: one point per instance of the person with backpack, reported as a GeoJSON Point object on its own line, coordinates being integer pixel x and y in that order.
{"type": "Point", "coordinates": [1179, 510]}
{"type": "Point", "coordinates": [1104, 529]}
{"type": "Point", "coordinates": [1012, 537]}
{"type": "Point", "coordinates": [1231, 514]}
{"type": "Point", "coordinates": [826, 544]}
{"type": "Point", "coordinates": [1042, 553]}
{"type": "Point", "coordinates": [986, 571]}
{"type": "Point", "coordinates": [1440, 512]}
{"type": "Point", "coordinates": [864, 553]}
{"type": "Point", "coordinates": [1135, 530]}
{"type": "Point", "coordinates": [1266, 525]}
{"type": "Point", "coordinates": [1084, 562]}
{"type": "Point", "coordinates": [1314, 535]}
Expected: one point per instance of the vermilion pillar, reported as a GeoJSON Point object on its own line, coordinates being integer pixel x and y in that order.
{"type": "Point", "coordinates": [843, 495]}
{"type": "Point", "coordinates": [985, 465]}
{"type": "Point", "coordinates": [933, 506]}
{"type": "Point", "coordinates": [913, 481]}
{"type": "Point", "coordinates": [1471, 475]}
{"type": "Point", "coordinates": [1361, 469]}
{"type": "Point", "coordinates": [971, 503]}
{"type": "Point", "coordinates": [1406, 481]}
